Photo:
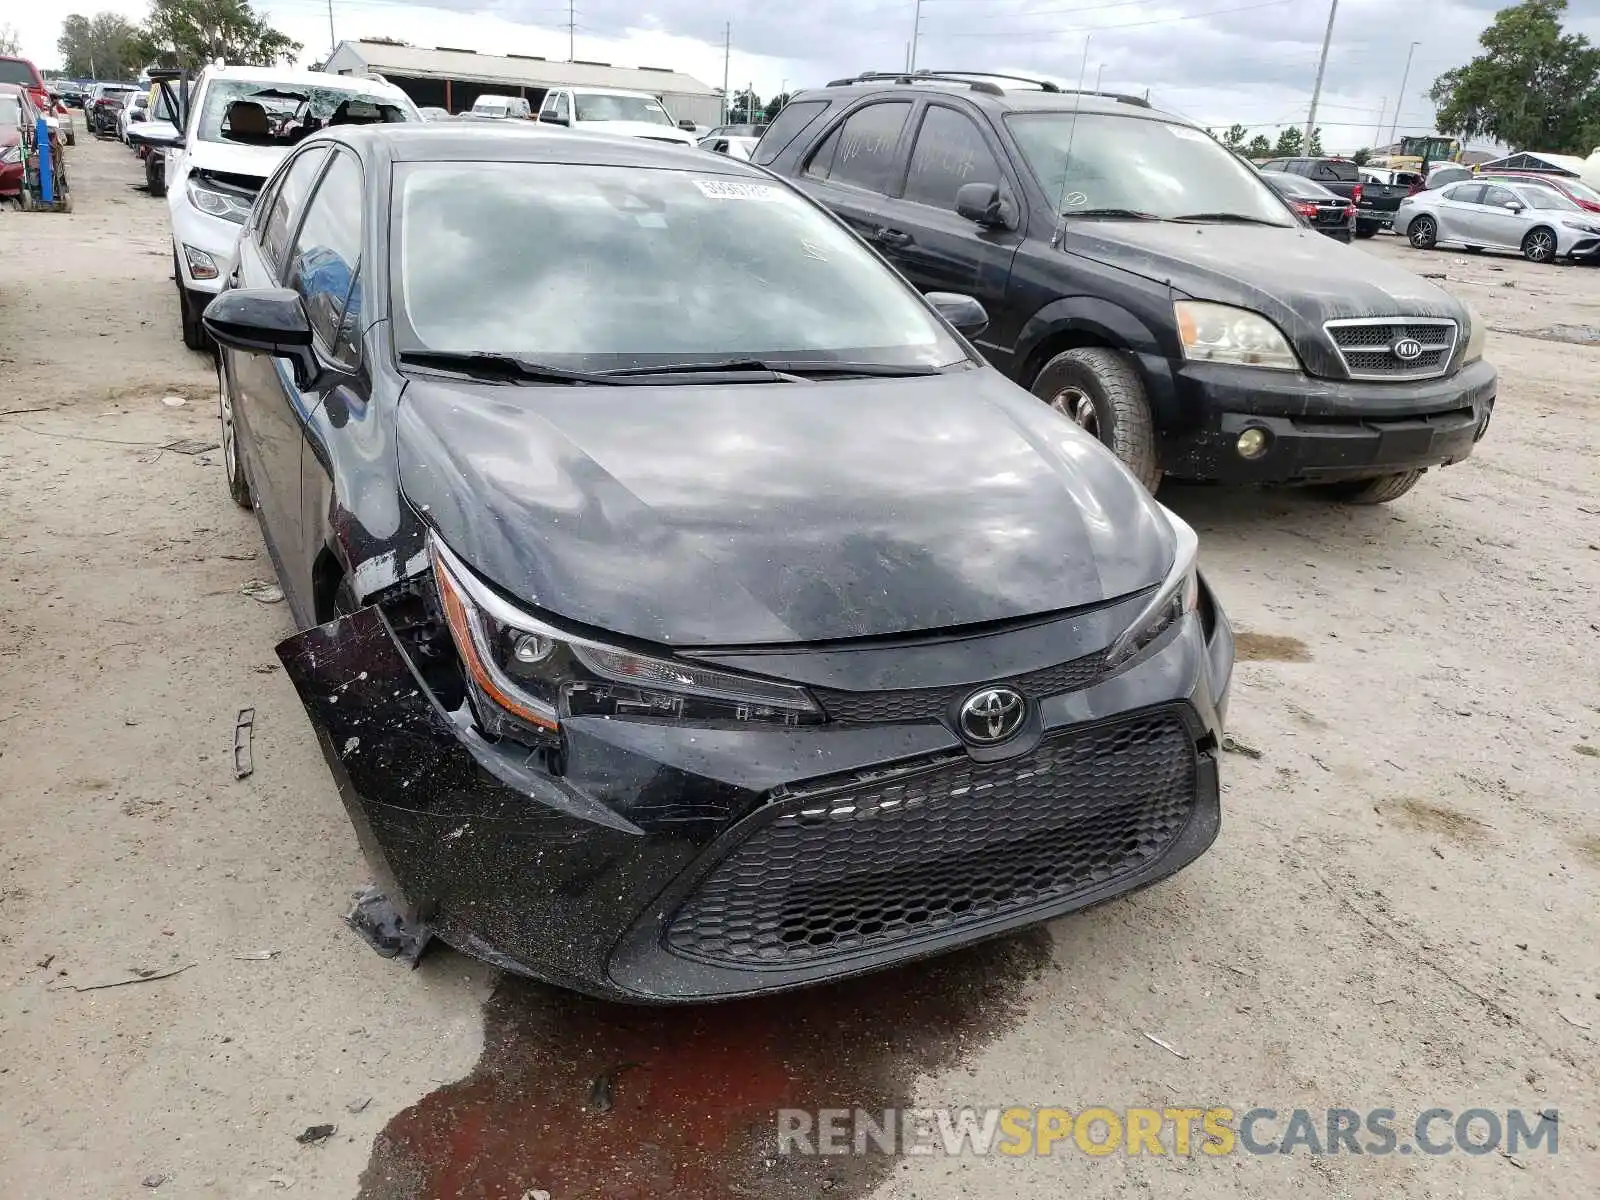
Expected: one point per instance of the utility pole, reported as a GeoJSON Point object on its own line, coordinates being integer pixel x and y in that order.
{"type": "Point", "coordinates": [1098, 72]}
{"type": "Point", "coordinates": [572, 32]}
{"type": "Point", "coordinates": [1377, 134]}
{"type": "Point", "coordinates": [727, 47]}
{"type": "Point", "coordinates": [916, 31]}
{"type": "Point", "coordinates": [333, 42]}
{"type": "Point", "coordinates": [1316, 90]}
{"type": "Point", "coordinates": [1401, 103]}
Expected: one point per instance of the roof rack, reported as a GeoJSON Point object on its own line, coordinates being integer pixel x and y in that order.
{"type": "Point", "coordinates": [978, 81]}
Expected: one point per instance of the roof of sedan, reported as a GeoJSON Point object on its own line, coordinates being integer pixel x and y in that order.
{"type": "Point", "coordinates": [440, 141]}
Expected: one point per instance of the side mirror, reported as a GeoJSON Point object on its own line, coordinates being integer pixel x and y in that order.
{"type": "Point", "coordinates": [981, 204]}
{"type": "Point", "coordinates": [1512, 205]}
{"type": "Point", "coordinates": [265, 321]}
{"type": "Point", "coordinates": [156, 133]}
{"type": "Point", "coordinates": [965, 313]}
{"type": "Point", "coordinates": [686, 125]}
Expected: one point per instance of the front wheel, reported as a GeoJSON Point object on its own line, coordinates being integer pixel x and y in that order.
{"type": "Point", "coordinates": [1379, 489]}
{"type": "Point", "coordinates": [1539, 246]}
{"type": "Point", "coordinates": [1423, 233]}
{"type": "Point", "coordinates": [1100, 390]}
{"type": "Point", "coordinates": [238, 485]}
{"type": "Point", "coordinates": [155, 176]}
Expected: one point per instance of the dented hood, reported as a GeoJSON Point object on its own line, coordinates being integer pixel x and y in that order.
{"type": "Point", "coordinates": [778, 512]}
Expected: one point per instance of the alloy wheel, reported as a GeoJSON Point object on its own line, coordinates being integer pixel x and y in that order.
{"type": "Point", "coordinates": [1423, 233]}
{"type": "Point", "coordinates": [1540, 246]}
{"type": "Point", "coordinates": [1075, 404]}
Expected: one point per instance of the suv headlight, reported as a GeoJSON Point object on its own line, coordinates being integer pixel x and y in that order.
{"type": "Point", "coordinates": [1477, 334]}
{"type": "Point", "coordinates": [218, 204]}
{"type": "Point", "coordinates": [1222, 333]}
{"type": "Point", "coordinates": [525, 675]}
{"type": "Point", "coordinates": [1178, 595]}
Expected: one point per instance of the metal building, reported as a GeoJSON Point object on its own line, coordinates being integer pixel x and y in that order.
{"type": "Point", "coordinates": [452, 79]}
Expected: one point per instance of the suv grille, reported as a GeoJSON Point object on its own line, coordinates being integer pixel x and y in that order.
{"type": "Point", "coordinates": [938, 848]}
{"type": "Point", "coordinates": [924, 704]}
{"type": "Point", "coordinates": [1366, 346]}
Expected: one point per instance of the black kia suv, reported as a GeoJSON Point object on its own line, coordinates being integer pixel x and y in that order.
{"type": "Point", "coordinates": [1147, 282]}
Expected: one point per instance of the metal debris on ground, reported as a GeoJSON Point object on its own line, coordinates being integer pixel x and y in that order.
{"type": "Point", "coordinates": [603, 1091]}
{"type": "Point", "coordinates": [281, 1181]}
{"type": "Point", "coordinates": [244, 727]}
{"type": "Point", "coordinates": [153, 1181]}
{"type": "Point", "coordinates": [358, 1105]}
{"type": "Point", "coordinates": [1434, 275]}
{"type": "Point", "coordinates": [1233, 745]}
{"type": "Point", "coordinates": [258, 955]}
{"type": "Point", "coordinates": [263, 590]}
{"type": "Point", "coordinates": [190, 446]}
{"type": "Point", "coordinates": [1515, 1162]}
{"type": "Point", "coordinates": [1167, 1046]}
{"type": "Point", "coordinates": [535, 1194]}
{"type": "Point", "coordinates": [139, 976]}
{"type": "Point", "coordinates": [315, 1135]}
{"type": "Point", "coordinates": [381, 926]}
{"type": "Point", "coordinates": [1573, 1021]}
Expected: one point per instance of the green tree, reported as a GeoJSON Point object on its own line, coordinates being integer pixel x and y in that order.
{"type": "Point", "coordinates": [1361, 157]}
{"type": "Point", "coordinates": [190, 33]}
{"type": "Point", "coordinates": [1258, 147]}
{"type": "Point", "coordinates": [10, 39]}
{"type": "Point", "coordinates": [744, 106]}
{"type": "Point", "coordinates": [1315, 149]}
{"type": "Point", "coordinates": [104, 46]}
{"type": "Point", "coordinates": [776, 105]}
{"type": "Point", "coordinates": [1234, 138]}
{"type": "Point", "coordinates": [1535, 87]}
{"type": "Point", "coordinates": [1289, 142]}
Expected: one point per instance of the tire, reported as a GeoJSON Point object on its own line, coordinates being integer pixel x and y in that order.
{"type": "Point", "coordinates": [1539, 246]}
{"type": "Point", "coordinates": [1379, 489]}
{"type": "Point", "coordinates": [1099, 390]}
{"type": "Point", "coordinates": [155, 176]}
{"type": "Point", "coordinates": [232, 463]}
{"type": "Point", "coordinates": [72, 138]}
{"type": "Point", "coordinates": [194, 332]}
{"type": "Point", "coordinates": [1423, 232]}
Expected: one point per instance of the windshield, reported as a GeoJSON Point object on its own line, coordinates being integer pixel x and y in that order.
{"type": "Point", "coordinates": [496, 105]}
{"type": "Point", "coordinates": [10, 110]}
{"type": "Point", "coordinates": [598, 268]}
{"type": "Point", "coordinates": [1156, 167]}
{"type": "Point", "coordinates": [14, 70]}
{"type": "Point", "coordinates": [1542, 197]}
{"type": "Point", "coordinates": [282, 114]}
{"type": "Point", "coordinates": [598, 106]}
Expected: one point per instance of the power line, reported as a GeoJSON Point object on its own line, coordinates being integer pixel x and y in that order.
{"type": "Point", "coordinates": [1215, 12]}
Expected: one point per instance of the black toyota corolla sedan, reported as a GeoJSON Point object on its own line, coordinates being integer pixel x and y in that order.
{"type": "Point", "coordinates": [687, 610]}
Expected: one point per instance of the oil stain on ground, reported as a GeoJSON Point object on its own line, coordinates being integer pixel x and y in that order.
{"type": "Point", "coordinates": [593, 1101]}
{"type": "Point", "coordinates": [1268, 647]}
{"type": "Point", "coordinates": [1446, 822]}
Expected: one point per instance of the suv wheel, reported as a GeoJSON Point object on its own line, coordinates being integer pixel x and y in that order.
{"type": "Point", "coordinates": [1379, 489]}
{"type": "Point", "coordinates": [194, 332]}
{"type": "Point", "coordinates": [1100, 390]}
{"type": "Point", "coordinates": [1424, 233]}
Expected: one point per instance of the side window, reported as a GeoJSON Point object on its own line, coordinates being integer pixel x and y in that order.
{"type": "Point", "coordinates": [794, 120]}
{"type": "Point", "coordinates": [286, 206]}
{"type": "Point", "coordinates": [1466, 193]}
{"type": "Point", "coordinates": [1498, 196]}
{"type": "Point", "coordinates": [328, 249]}
{"type": "Point", "coordinates": [1275, 164]}
{"type": "Point", "coordinates": [563, 106]}
{"type": "Point", "coordinates": [1323, 171]}
{"type": "Point", "coordinates": [861, 151]}
{"type": "Point", "coordinates": [950, 152]}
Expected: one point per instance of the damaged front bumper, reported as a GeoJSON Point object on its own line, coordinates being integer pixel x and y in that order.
{"type": "Point", "coordinates": [657, 862]}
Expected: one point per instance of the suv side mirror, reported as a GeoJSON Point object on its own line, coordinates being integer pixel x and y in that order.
{"type": "Point", "coordinates": [981, 204]}
{"type": "Point", "coordinates": [553, 119]}
{"type": "Point", "coordinates": [265, 321]}
{"type": "Point", "coordinates": [157, 133]}
{"type": "Point", "coordinates": [965, 313]}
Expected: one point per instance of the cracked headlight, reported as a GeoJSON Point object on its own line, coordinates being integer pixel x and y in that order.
{"type": "Point", "coordinates": [1178, 595]}
{"type": "Point", "coordinates": [1224, 334]}
{"type": "Point", "coordinates": [1477, 334]}
{"type": "Point", "coordinates": [526, 676]}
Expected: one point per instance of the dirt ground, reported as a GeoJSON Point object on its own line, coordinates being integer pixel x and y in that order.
{"type": "Point", "coordinates": [1400, 912]}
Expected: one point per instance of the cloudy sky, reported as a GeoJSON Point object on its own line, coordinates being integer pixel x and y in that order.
{"type": "Point", "coordinates": [1217, 61]}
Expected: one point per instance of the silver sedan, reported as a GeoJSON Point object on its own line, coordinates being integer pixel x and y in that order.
{"type": "Point", "coordinates": [1540, 223]}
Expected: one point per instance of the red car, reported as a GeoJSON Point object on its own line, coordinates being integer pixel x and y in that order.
{"type": "Point", "coordinates": [22, 73]}
{"type": "Point", "coordinates": [19, 121]}
{"type": "Point", "coordinates": [1580, 193]}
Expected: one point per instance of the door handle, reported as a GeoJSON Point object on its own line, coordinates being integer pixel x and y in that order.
{"type": "Point", "coordinates": [892, 237]}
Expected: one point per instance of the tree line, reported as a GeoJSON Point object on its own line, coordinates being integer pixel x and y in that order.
{"type": "Point", "coordinates": [176, 33]}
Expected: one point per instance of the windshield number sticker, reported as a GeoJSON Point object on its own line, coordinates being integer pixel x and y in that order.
{"type": "Point", "coordinates": [728, 189]}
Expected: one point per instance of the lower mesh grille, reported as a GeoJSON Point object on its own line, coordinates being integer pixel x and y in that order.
{"type": "Point", "coordinates": [915, 854]}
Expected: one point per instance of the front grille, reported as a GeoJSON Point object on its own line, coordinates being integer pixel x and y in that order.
{"type": "Point", "coordinates": [924, 704]}
{"type": "Point", "coordinates": [1366, 346]}
{"type": "Point", "coordinates": [925, 852]}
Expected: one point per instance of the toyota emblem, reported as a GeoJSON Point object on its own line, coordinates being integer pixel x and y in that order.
{"type": "Point", "coordinates": [1407, 349]}
{"type": "Point", "coordinates": [992, 715]}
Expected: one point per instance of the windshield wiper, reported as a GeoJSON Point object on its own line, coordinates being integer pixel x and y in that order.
{"type": "Point", "coordinates": [1230, 217]}
{"type": "Point", "coordinates": [485, 365]}
{"type": "Point", "coordinates": [788, 371]}
{"type": "Point", "coordinates": [1126, 214]}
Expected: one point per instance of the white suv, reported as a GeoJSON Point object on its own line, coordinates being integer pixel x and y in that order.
{"type": "Point", "coordinates": [612, 110]}
{"type": "Point", "coordinates": [238, 125]}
